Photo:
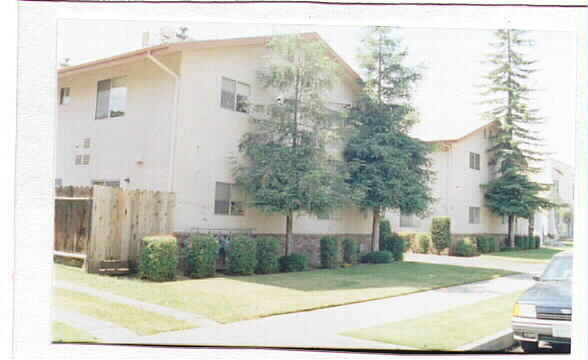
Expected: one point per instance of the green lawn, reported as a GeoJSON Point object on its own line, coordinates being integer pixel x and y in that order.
{"type": "Point", "coordinates": [138, 321]}
{"type": "Point", "coordinates": [542, 255]}
{"type": "Point", "coordinates": [228, 299]}
{"type": "Point", "coordinates": [446, 330]}
{"type": "Point", "coordinates": [64, 333]}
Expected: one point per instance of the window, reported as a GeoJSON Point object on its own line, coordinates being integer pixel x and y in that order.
{"type": "Point", "coordinates": [228, 199]}
{"type": "Point", "coordinates": [64, 97]}
{"type": "Point", "coordinates": [86, 143]}
{"type": "Point", "coordinates": [474, 215]}
{"type": "Point", "coordinates": [111, 98]}
{"type": "Point", "coordinates": [85, 159]}
{"type": "Point", "coordinates": [474, 161]}
{"type": "Point", "coordinates": [78, 160]}
{"type": "Point", "coordinates": [58, 182]}
{"type": "Point", "coordinates": [111, 183]}
{"type": "Point", "coordinates": [407, 220]}
{"type": "Point", "coordinates": [235, 95]}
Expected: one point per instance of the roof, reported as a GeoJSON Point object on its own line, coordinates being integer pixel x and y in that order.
{"type": "Point", "coordinates": [456, 134]}
{"type": "Point", "coordinates": [168, 48]}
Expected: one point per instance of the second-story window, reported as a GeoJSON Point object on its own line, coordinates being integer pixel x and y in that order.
{"type": "Point", "coordinates": [235, 95]}
{"type": "Point", "coordinates": [111, 98]}
{"type": "Point", "coordinates": [474, 161]}
{"type": "Point", "coordinates": [64, 97]}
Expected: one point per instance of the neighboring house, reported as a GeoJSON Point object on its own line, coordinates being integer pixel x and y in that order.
{"type": "Point", "coordinates": [169, 117]}
{"type": "Point", "coordinates": [557, 223]}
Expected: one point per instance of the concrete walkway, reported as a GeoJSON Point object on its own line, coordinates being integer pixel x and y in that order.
{"type": "Point", "coordinates": [322, 328]}
{"type": "Point", "coordinates": [481, 262]}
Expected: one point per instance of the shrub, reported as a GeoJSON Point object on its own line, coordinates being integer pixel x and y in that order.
{"type": "Point", "coordinates": [385, 228]}
{"type": "Point", "coordinates": [267, 255]}
{"type": "Point", "coordinates": [395, 244]}
{"type": "Point", "coordinates": [158, 258]}
{"type": "Point", "coordinates": [441, 232]}
{"type": "Point", "coordinates": [350, 251]}
{"type": "Point", "coordinates": [293, 262]}
{"type": "Point", "coordinates": [486, 244]}
{"type": "Point", "coordinates": [465, 247]}
{"type": "Point", "coordinates": [242, 256]}
{"type": "Point", "coordinates": [200, 254]}
{"type": "Point", "coordinates": [537, 241]}
{"type": "Point", "coordinates": [521, 242]}
{"type": "Point", "coordinates": [329, 252]}
{"type": "Point", "coordinates": [424, 241]}
{"type": "Point", "coordinates": [377, 257]}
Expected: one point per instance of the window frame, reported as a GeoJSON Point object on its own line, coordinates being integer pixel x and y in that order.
{"type": "Point", "coordinates": [235, 95]}
{"type": "Point", "coordinates": [105, 182]}
{"type": "Point", "coordinates": [109, 112]}
{"type": "Point", "coordinates": [474, 213]}
{"type": "Point", "coordinates": [64, 99]}
{"type": "Point", "coordinates": [232, 203]}
{"type": "Point", "coordinates": [475, 160]}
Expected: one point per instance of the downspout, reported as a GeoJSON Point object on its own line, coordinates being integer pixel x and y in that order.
{"type": "Point", "coordinates": [172, 143]}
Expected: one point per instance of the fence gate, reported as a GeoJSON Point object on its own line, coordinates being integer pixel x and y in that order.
{"type": "Point", "coordinates": [110, 223]}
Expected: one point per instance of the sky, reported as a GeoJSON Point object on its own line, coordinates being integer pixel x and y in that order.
{"type": "Point", "coordinates": [451, 62]}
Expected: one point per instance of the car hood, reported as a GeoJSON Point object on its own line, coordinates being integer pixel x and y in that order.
{"type": "Point", "coordinates": [549, 293]}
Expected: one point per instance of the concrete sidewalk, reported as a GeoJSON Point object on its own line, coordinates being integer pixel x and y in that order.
{"type": "Point", "coordinates": [321, 328]}
{"type": "Point", "coordinates": [481, 262]}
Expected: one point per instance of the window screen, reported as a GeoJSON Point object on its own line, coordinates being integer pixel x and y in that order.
{"type": "Point", "coordinates": [243, 92]}
{"type": "Point", "coordinates": [474, 215]}
{"type": "Point", "coordinates": [103, 99]}
{"type": "Point", "coordinates": [222, 199]}
{"type": "Point", "coordinates": [228, 94]}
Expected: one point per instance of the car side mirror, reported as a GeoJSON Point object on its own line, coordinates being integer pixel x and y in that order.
{"type": "Point", "coordinates": [536, 277]}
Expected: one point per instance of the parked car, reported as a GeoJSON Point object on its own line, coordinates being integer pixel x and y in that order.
{"type": "Point", "coordinates": [544, 312]}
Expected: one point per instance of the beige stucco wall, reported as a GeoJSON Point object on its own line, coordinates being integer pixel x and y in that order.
{"type": "Point", "coordinates": [117, 144]}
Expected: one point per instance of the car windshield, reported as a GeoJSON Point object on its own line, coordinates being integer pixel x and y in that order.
{"type": "Point", "coordinates": [560, 268]}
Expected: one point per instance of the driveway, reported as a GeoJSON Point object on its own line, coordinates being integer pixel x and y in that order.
{"type": "Point", "coordinates": [528, 268]}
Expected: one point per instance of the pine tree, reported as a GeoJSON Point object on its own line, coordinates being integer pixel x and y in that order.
{"type": "Point", "coordinates": [288, 169]}
{"type": "Point", "coordinates": [515, 150]}
{"type": "Point", "coordinates": [389, 169]}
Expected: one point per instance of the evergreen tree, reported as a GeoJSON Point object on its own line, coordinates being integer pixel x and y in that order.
{"type": "Point", "coordinates": [515, 150]}
{"type": "Point", "coordinates": [389, 169]}
{"type": "Point", "coordinates": [288, 169]}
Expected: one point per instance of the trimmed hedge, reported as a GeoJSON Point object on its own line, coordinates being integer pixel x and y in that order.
{"type": "Point", "coordinates": [200, 255]}
{"type": "Point", "coordinates": [465, 247]}
{"type": "Point", "coordinates": [158, 258]}
{"type": "Point", "coordinates": [424, 243]}
{"type": "Point", "coordinates": [395, 244]}
{"type": "Point", "coordinates": [293, 262]}
{"type": "Point", "coordinates": [242, 256]}
{"type": "Point", "coordinates": [441, 232]}
{"type": "Point", "coordinates": [378, 257]}
{"type": "Point", "coordinates": [350, 251]}
{"type": "Point", "coordinates": [537, 241]}
{"type": "Point", "coordinates": [486, 244]}
{"type": "Point", "coordinates": [267, 255]}
{"type": "Point", "coordinates": [329, 252]}
{"type": "Point", "coordinates": [526, 242]}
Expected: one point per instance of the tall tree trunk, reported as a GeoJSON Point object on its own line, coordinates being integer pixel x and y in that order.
{"type": "Point", "coordinates": [376, 230]}
{"type": "Point", "coordinates": [510, 231]}
{"type": "Point", "coordinates": [289, 236]}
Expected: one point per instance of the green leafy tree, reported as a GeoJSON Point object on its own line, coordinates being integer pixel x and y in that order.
{"type": "Point", "coordinates": [387, 168]}
{"type": "Point", "coordinates": [515, 150]}
{"type": "Point", "coordinates": [288, 169]}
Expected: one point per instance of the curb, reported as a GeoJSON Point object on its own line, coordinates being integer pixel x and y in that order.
{"type": "Point", "coordinates": [496, 342]}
